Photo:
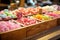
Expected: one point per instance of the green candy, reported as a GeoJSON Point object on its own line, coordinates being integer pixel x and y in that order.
{"type": "Point", "coordinates": [45, 17]}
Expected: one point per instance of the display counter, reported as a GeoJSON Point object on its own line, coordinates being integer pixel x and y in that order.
{"type": "Point", "coordinates": [28, 31]}
{"type": "Point", "coordinates": [28, 23]}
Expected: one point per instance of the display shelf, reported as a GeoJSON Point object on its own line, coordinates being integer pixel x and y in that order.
{"type": "Point", "coordinates": [24, 32]}
{"type": "Point", "coordinates": [29, 30]}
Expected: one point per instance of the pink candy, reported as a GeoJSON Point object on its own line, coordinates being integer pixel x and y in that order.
{"type": "Point", "coordinates": [27, 21]}
{"type": "Point", "coordinates": [52, 14]}
{"type": "Point", "coordinates": [8, 25]}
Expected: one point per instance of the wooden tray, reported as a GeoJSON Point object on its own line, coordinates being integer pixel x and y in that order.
{"type": "Point", "coordinates": [33, 30]}
{"type": "Point", "coordinates": [22, 33]}
{"type": "Point", "coordinates": [19, 34]}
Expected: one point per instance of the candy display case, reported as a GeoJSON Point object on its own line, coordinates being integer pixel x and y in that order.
{"type": "Point", "coordinates": [29, 22]}
{"type": "Point", "coordinates": [27, 31]}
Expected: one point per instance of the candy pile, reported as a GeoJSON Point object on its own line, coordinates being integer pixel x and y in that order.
{"type": "Point", "coordinates": [27, 21]}
{"type": "Point", "coordinates": [8, 25]}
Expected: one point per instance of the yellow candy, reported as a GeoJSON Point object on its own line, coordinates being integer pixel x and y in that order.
{"type": "Point", "coordinates": [38, 16]}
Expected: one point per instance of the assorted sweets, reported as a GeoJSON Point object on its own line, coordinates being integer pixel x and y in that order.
{"type": "Point", "coordinates": [52, 14]}
{"type": "Point", "coordinates": [27, 21]}
{"type": "Point", "coordinates": [9, 25]}
{"type": "Point", "coordinates": [42, 17]}
{"type": "Point", "coordinates": [6, 15]}
{"type": "Point", "coordinates": [26, 16]}
{"type": "Point", "coordinates": [27, 11]}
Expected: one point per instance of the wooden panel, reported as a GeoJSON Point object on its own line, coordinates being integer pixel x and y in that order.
{"type": "Point", "coordinates": [33, 30]}
{"type": "Point", "coordinates": [52, 23]}
{"type": "Point", "coordinates": [19, 34]}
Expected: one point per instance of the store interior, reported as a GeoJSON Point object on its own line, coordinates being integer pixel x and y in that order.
{"type": "Point", "coordinates": [29, 19]}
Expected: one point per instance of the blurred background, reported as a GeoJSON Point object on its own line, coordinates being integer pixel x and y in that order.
{"type": "Point", "coordinates": [13, 4]}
